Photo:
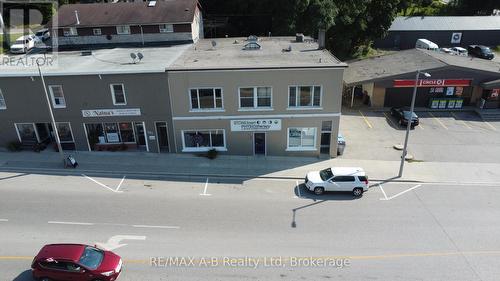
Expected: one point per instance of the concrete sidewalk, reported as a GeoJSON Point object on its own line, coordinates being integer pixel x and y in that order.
{"type": "Point", "coordinates": [148, 164]}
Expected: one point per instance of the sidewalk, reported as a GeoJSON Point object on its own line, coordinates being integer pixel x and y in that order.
{"type": "Point", "coordinates": [149, 164]}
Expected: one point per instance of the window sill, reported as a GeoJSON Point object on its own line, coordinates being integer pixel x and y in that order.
{"type": "Point", "coordinates": [301, 149]}
{"type": "Point", "coordinates": [305, 108]}
{"type": "Point", "coordinates": [203, 149]}
{"type": "Point", "coordinates": [207, 110]}
{"type": "Point", "coordinates": [59, 106]}
{"type": "Point", "coordinates": [3, 108]}
{"type": "Point", "coordinates": [119, 104]}
{"type": "Point", "coordinates": [256, 109]}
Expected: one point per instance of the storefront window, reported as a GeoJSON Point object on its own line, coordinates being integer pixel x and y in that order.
{"type": "Point", "coordinates": [202, 140]}
{"type": "Point", "coordinates": [26, 132]}
{"type": "Point", "coordinates": [127, 132]}
{"type": "Point", "coordinates": [111, 130]}
{"type": "Point", "coordinates": [301, 138]}
{"type": "Point", "coordinates": [64, 131]}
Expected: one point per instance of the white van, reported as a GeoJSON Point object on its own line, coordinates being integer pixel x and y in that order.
{"type": "Point", "coordinates": [426, 44]}
{"type": "Point", "coordinates": [349, 179]}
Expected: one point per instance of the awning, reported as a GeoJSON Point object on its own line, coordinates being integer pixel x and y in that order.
{"type": "Point", "coordinates": [495, 84]}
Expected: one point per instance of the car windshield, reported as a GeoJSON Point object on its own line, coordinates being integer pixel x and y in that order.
{"type": "Point", "coordinates": [91, 257]}
{"type": "Point", "coordinates": [407, 114]}
{"type": "Point", "coordinates": [326, 174]}
{"type": "Point", "coordinates": [486, 50]}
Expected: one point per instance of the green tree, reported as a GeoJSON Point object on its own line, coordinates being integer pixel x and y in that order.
{"type": "Point", "coordinates": [473, 7]}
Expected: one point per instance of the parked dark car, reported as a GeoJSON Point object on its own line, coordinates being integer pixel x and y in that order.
{"type": "Point", "coordinates": [402, 114]}
{"type": "Point", "coordinates": [480, 51]}
{"type": "Point", "coordinates": [75, 262]}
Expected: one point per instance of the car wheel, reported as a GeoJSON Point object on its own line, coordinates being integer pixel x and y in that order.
{"type": "Point", "coordinates": [357, 192]}
{"type": "Point", "coordinates": [45, 279]}
{"type": "Point", "coordinates": [319, 190]}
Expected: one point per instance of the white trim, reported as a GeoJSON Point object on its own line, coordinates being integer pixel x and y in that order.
{"type": "Point", "coordinates": [255, 107]}
{"type": "Point", "coordinates": [301, 148]}
{"type": "Point", "coordinates": [70, 129]}
{"type": "Point", "coordinates": [304, 108]}
{"type": "Point", "coordinates": [297, 97]}
{"type": "Point", "coordinates": [54, 105]}
{"type": "Point", "coordinates": [2, 97]}
{"type": "Point", "coordinates": [86, 136]}
{"type": "Point", "coordinates": [203, 149]}
{"type": "Point", "coordinates": [199, 109]}
{"type": "Point", "coordinates": [146, 138]}
{"type": "Point", "coordinates": [113, 93]}
{"type": "Point", "coordinates": [257, 68]}
{"type": "Point", "coordinates": [257, 116]}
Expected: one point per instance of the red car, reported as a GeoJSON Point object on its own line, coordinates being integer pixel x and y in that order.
{"type": "Point", "coordinates": [75, 262]}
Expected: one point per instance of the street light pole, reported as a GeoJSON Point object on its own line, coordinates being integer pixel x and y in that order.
{"type": "Point", "coordinates": [56, 133]}
{"type": "Point", "coordinates": [408, 125]}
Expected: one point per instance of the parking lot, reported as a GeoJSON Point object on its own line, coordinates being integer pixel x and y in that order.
{"type": "Point", "coordinates": [440, 136]}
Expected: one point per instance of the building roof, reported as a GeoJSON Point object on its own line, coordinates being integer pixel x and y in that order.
{"type": "Point", "coordinates": [459, 23]}
{"type": "Point", "coordinates": [408, 61]}
{"type": "Point", "coordinates": [126, 13]}
{"type": "Point", "coordinates": [105, 61]}
{"type": "Point", "coordinates": [229, 53]}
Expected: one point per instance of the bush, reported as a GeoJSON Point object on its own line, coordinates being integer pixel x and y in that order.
{"type": "Point", "coordinates": [212, 153]}
{"type": "Point", "coordinates": [14, 146]}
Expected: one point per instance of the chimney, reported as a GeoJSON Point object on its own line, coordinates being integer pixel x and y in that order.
{"type": "Point", "coordinates": [77, 18]}
{"type": "Point", "coordinates": [321, 38]}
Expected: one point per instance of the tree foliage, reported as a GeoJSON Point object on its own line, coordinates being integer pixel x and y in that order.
{"type": "Point", "coordinates": [473, 7]}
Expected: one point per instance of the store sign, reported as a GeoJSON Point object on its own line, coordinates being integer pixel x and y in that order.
{"type": "Point", "coordinates": [456, 38]}
{"type": "Point", "coordinates": [111, 112]}
{"type": "Point", "coordinates": [433, 83]}
{"type": "Point", "coordinates": [256, 125]}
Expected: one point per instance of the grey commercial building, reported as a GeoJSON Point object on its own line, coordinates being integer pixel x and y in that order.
{"type": "Point", "coordinates": [444, 31]}
{"type": "Point", "coordinates": [455, 81]}
{"type": "Point", "coordinates": [271, 96]}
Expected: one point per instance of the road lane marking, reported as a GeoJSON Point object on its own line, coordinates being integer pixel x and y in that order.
{"type": "Point", "coordinates": [120, 184]}
{"type": "Point", "coordinates": [114, 242]}
{"type": "Point", "coordinates": [462, 121]}
{"type": "Point", "coordinates": [205, 190]}
{"type": "Point", "coordinates": [491, 126]}
{"type": "Point", "coordinates": [103, 185]}
{"type": "Point", "coordinates": [156, 226]}
{"type": "Point", "coordinates": [4, 220]}
{"type": "Point", "coordinates": [385, 195]}
{"type": "Point", "coordinates": [366, 120]}
{"type": "Point", "coordinates": [401, 193]}
{"type": "Point", "coordinates": [70, 222]}
{"type": "Point", "coordinates": [439, 121]}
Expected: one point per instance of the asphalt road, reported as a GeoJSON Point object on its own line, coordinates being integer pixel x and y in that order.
{"type": "Point", "coordinates": [404, 231]}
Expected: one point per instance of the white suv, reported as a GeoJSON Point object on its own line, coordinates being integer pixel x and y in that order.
{"type": "Point", "coordinates": [23, 44]}
{"type": "Point", "coordinates": [338, 179]}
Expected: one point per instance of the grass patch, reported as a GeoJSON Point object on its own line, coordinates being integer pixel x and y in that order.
{"type": "Point", "coordinates": [12, 38]}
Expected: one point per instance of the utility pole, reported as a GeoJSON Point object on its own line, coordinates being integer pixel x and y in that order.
{"type": "Point", "coordinates": [408, 125]}
{"type": "Point", "coordinates": [56, 133]}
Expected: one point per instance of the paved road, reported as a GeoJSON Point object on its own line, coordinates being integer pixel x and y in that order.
{"type": "Point", "coordinates": [397, 232]}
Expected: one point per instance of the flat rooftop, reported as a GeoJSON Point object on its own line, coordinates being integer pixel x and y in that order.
{"type": "Point", "coordinates": [275, 52]}
{"type": "Point", "coordinates": [103, 61]}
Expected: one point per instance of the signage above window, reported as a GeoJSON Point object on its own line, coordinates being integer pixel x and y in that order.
{"type": "Point", "coordinates": [256, 125]}
{"type": "Point", "coordinates": [111, 112]}
{"type": "Point", "coordinates": [433, 83]}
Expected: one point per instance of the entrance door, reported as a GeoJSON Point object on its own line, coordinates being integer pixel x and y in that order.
{"type": "Point", "coordinates": [27, 133]}
{"type": "Point", "coordinates": [162, 133]}
{"type": "Point", "coordinates": [140, 136]}
{"type": "Point", "coordinates": [259, 143]}
{"type": "Point", "coordinates": [326, 137]}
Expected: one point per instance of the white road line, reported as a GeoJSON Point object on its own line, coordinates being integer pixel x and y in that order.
{"type": "Point", "coordinates": [403, 192]}
{"type": "Point", "coordinates": [120, 184]}
{"type": "Point", "coordinates": [156, 226]}
{"type": "Point", "coordinates": [5, 220]}
{"type": "Point", "coordinates": [70, 222]}
{"type": "Point", "coordinates": [205, 190]}
{"type": "Point", "coordinates": [385, 195]}
{"type": "Point", "coordinates": [103, 185]}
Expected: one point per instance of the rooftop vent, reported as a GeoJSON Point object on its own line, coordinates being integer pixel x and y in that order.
{"type": "Point", "coordinates": [152, 3]}
{"type": "Point", "coordinates": [252, 38]}
{"type": "Point", "coordinates": [252, 46]}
